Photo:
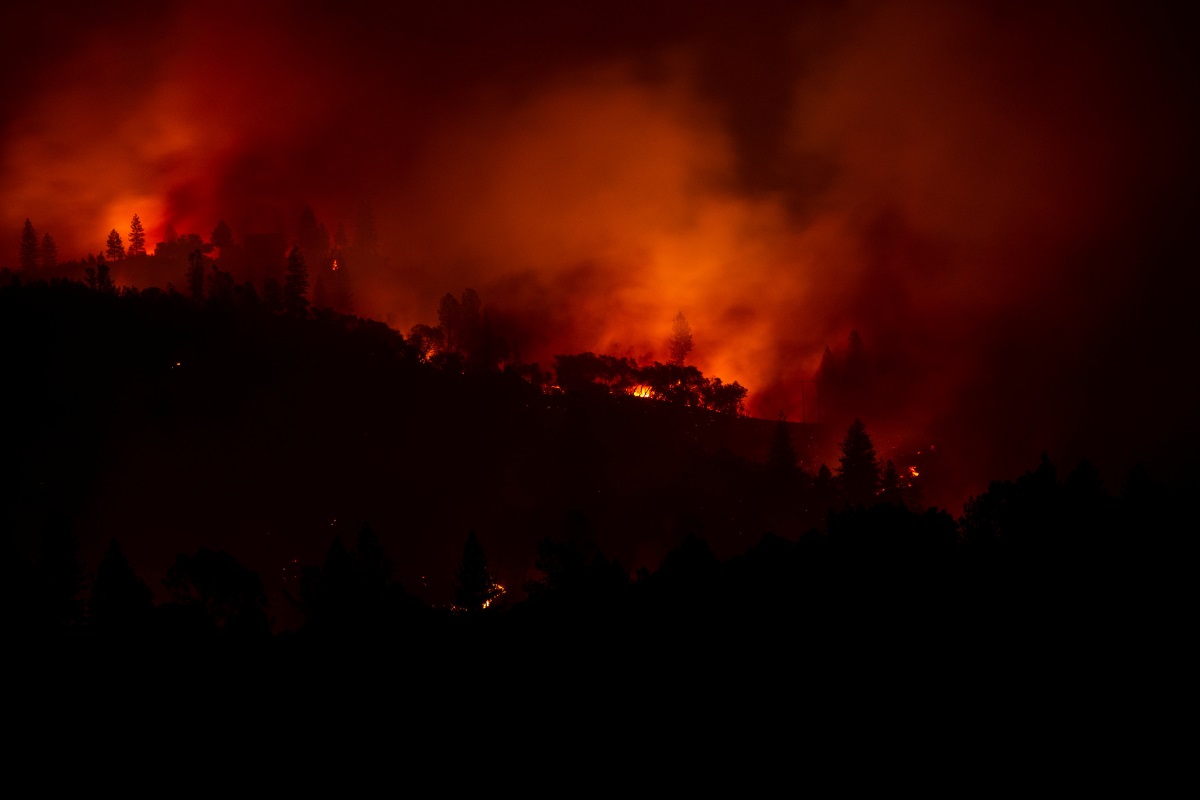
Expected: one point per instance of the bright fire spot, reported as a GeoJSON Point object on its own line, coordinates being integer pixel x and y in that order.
{"type": "Point", "coordinates": [641, 390]}
{"type": "Point", "coordinates": [335, 266]}
{"type": "Point", "coordinates": [497, 591]}
{"type": "Point", "coordinates": [914, 472]}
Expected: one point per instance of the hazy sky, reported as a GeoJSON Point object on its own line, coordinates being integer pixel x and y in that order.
{"type": "Point", "coordinates": [1001, 197]}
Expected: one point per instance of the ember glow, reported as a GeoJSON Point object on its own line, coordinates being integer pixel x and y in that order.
{"type": "Point", "coordinates": [992, 196]}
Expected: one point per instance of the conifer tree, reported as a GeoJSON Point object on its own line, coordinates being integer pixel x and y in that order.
{"type": "Point", "coordinates": [119, 599]}
{"type": "Point", "coordinates": [114, 250]}
{"type": "Point", "coordinates": [859, 469]}
{"type": "Point", "coordinates": [137, 237]}
{"type": "Point", "coordinates": [680, 343]}
{"type": "Point", "coordinates": [474, 587]}
{"type": "Point", "coordinates": [29, 248]}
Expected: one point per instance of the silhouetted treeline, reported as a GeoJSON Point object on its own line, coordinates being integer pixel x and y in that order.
{"type": "Point", "coordinates": [317, 469]}
{"type": "Point", "coordinates": [1038, 558]}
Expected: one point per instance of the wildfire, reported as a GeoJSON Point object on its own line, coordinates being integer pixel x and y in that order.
{"type": "Point", "coordinates": [334, 267]}
{"type": "Point", "coordinates": [641, 390]}
{"type": "Point", "coordinates": [913, 471]}
{"type": "Point", "coordinates": [496, 592]}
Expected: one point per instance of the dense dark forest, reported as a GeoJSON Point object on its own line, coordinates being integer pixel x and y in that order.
{"type": "Point", "coordinates": [269, 497]}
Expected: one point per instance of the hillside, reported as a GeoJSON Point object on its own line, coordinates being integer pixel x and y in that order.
{"type": "Point", "coordinates": [172, 425]}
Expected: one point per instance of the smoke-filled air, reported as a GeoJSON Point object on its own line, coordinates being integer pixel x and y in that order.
{"type": "Point", "coordinates": [999, 199]}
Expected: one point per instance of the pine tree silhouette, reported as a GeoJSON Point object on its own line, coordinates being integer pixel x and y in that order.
{"type": "Point", "coordinates": [680, 343]}
{"type": "Point", "coordinates": [859, 469]}
{"type": "Point", "coordinates": [113, 249]}
{"type": "Point", "coordinates": [28, 261]}
{"type": "Point", "coordinates": [137, 237]}
{"type": "Point", "coordinates": [474, 587]}
{"type": "Point", "coordinates": [120, 602]}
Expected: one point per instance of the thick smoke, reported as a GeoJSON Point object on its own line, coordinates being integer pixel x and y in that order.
{"type": "Point", "coordinates": [990, 196]}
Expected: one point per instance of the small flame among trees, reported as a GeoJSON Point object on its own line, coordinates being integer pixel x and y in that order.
{"type": "Point", "coordinates": [475, 588]}
{"type": "Point", "coordinates": [680, 385]}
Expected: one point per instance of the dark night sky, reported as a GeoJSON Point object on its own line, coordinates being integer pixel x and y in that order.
{"type": "Point", "coordinates": [1001, 197]}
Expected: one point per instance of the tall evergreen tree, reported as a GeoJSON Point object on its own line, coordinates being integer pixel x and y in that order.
{"type": "Point", "coordinates": [120, 601]}
{"type": "Point", "coordinates": [114, 250]}
{"type": "Point", "coordinates": [295, 286]}
{"type": "Point", "coordinates": [680, 343]}
{"type": "Point", "coordinates": [859, 468]}
{"type": "Point", "coordinates": [474, 587]}
{"type": "Point", "coordinates": [49, 253]}
{"type": "Point", "coordinates": [28, 261]}
{"type": "Point", "coordinates": [137, 237]}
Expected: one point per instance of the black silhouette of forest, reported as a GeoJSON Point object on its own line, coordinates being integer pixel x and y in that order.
{"type": "Point", "coordinates": [228, 476]}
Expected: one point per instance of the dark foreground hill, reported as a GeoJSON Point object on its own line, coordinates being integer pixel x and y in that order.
{"type": "Point", "coordinates": [298, 503]}
{"type": "Point", "coordinates": [171, 425]}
